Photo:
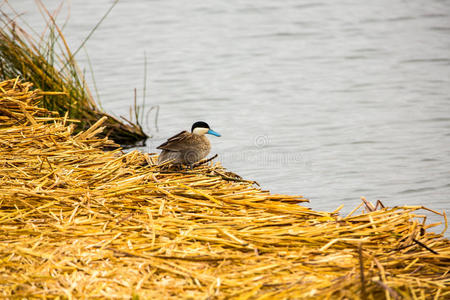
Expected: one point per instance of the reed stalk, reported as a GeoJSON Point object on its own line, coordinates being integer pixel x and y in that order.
{"type": "Point", "coordinates": [47, 61]}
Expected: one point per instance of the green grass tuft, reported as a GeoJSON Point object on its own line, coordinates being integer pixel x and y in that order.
{"type": "Point", "coordinates": [47, 62]}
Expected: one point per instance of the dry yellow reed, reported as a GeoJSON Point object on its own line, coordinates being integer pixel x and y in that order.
{"type": "Point", "coordinates": [77, 221]}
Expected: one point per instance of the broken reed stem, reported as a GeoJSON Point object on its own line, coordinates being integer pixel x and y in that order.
{"type": "Point", "coordinates": [202, 162]}
{"type": "Point", "coordinates": [424, 246]}
{"type": "Point", "coordinates": [77, 221]}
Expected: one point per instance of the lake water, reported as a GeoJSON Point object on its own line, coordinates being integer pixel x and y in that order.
{"type": "Point", "coordinates": [332, 100]}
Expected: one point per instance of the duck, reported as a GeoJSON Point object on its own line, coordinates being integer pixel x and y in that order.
{"type": "Point", "coordinates": [186, 147]}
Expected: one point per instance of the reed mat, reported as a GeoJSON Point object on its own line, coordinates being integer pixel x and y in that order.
{"type": "Point", "coordinates": [80, 222]}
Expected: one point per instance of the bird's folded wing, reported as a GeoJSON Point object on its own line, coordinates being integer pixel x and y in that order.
{"type": "Point", "coordinates": [174, 143]}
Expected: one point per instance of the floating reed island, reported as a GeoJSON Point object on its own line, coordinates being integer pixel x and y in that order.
{"type": "Point", "coordinates": [78, 221]}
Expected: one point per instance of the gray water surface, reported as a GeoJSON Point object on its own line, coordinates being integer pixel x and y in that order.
{"type": "Point", "coordinates": [332, 100]}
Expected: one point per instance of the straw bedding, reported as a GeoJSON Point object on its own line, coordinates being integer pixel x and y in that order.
{"type": "Point", "coordinates": [78, 221]}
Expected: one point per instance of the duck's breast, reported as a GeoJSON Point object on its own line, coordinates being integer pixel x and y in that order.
{"type": "Point", "coordinates": [198, 149]}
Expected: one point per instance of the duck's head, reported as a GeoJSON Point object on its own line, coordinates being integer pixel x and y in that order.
{"type": "Point", "coordinates": [202, 128]}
